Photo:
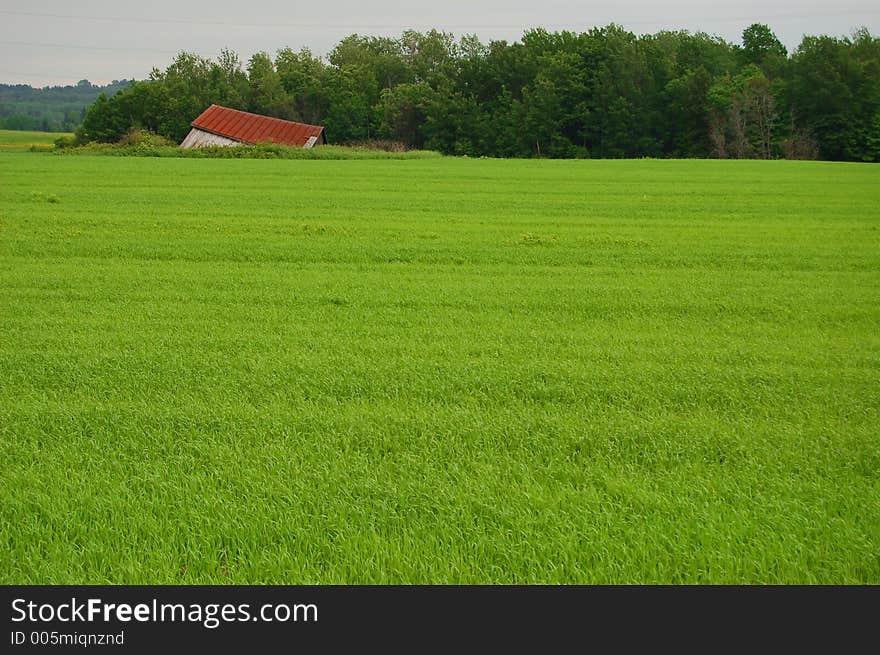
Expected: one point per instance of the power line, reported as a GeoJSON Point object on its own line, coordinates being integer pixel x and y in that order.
{"type": "Point", "coordinates": [99, 48]}
{"type": "Point", "coordinates": [361, 26]}
{"type": "Point", "coordinates": [23, 73]}
{"type": "Point", "coordinates": [88, 47]}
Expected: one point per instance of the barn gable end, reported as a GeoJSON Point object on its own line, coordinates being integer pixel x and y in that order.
{"type": "Point", "coordinates": [199, 139]}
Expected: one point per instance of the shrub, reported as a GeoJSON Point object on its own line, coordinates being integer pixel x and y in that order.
{"type": "Point", "coordinates": [66, 142]}
{"type": "Point", "coordinates": [138, 137]}
{"type": "Point", "coordinates": [383, 145]}
{"type": "Point", "coordinates": [263, 151]}
{"type": "Point", "coordinates": [800, 146]}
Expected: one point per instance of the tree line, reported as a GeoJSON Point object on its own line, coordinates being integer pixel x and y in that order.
{"type": "Point", "coordinates": [602, 93]}
{"type": "Point", "coordinates": [51, 108]}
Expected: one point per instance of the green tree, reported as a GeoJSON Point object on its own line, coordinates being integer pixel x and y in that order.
{"type": "Point", "coordinates": [759, 43]}
{"type": "Point", "coordinates": [835, 93]}
{"type": "Point", "coordinates": [103, 122]}
{"type": "Point", "coordinates": [405, 108]}
{"type": "Point", "coordinates": [605, 93]}
{"type": "Point", "coordinates": [267, 94]}
{"type": "Point", "coordinates": [304, 78]}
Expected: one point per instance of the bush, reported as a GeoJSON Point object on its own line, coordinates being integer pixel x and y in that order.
{"type": "Point", "coordinates": [66, 142]}
{"type": "Point", "coordinates": [263, 151]}
{"type": "Point", "coordinates": [138, 137]}
{"type": "Point", "coordinates": [800, 146]}
{"type": "Point", "coordinates": [384, 145]}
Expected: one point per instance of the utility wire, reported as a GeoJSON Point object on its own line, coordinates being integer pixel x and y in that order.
{"type": "Point", "coordinates": [363, 26]}
{"type": "Point", "coordinates": [89, 47]}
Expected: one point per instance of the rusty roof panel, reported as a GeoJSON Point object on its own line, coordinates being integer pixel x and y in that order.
{"type": "Point", "coordinates": [253, 128]}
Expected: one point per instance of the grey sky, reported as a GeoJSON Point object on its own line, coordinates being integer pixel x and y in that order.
{"type": "Point", "coordinates": [61, 41]}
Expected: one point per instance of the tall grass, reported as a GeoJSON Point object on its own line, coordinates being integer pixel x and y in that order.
{"type": "Point", "coordinates": [263, 151]}
{"type": "Point", "coordinates": [444, 370]}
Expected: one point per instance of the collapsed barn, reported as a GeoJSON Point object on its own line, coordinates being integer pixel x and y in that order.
{"type": "Point", "coordinates": [222, 126]}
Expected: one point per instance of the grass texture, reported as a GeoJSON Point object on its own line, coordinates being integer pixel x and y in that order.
{"type": "Point", "coordinates": [438, 371]}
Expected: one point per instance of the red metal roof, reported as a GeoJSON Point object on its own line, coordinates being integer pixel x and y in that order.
{"type": "Point", "coordinates": [253, 128]}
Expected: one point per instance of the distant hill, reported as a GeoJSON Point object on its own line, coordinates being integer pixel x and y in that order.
{"type": "Point", "coordinates": [52, 108]}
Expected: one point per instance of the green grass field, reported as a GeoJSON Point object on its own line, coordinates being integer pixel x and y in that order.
{"type": "Point", "coordinates": [20, 141]}
{"type": "Point", "coordinates": [446, 371]}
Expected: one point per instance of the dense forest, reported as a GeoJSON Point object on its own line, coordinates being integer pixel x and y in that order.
{"type": "Point", "coordinates": [602, 93]}
{"type": "Point", "coordinates": [52, 108]}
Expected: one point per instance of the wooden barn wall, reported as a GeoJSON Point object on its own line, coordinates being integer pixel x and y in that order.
{"type": "Point", "coordinates": [199, 139]}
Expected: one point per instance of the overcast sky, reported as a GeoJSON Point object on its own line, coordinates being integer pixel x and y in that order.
{"type": "Point", "coordinates": [61, 41]}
